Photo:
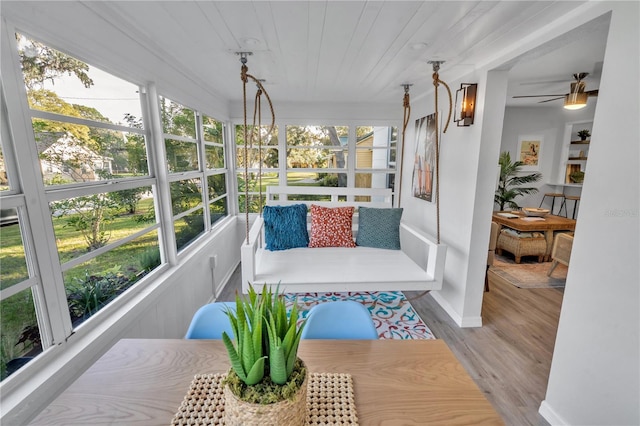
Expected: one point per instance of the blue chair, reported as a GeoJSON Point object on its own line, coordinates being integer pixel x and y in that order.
{"type": "Point", "coordinates": [210, 321]}
{"type": "Point", "coordinates": [340, 320]}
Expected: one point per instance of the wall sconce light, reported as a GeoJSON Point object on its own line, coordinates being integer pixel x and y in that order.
{"type": "Point", "coordinates": [465, 104]}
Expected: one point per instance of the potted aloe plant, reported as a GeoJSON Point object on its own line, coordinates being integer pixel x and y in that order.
{"type": "Point", "coordinates": [267, 382]}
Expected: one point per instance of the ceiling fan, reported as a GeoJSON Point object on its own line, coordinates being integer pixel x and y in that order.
{"type": "Point", "coordinates": [575, 99]}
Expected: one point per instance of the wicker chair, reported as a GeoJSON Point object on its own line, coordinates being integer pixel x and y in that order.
{"type": "Point", "coordinates": [561, 252]}
{"type": "Point", "coordinates": [493, 242]}
{"type": "Point", "coordinates": [518, 246]}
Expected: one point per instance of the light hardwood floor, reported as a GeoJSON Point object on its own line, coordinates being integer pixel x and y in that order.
{"type": "Point", "coordinates": [509, 357]}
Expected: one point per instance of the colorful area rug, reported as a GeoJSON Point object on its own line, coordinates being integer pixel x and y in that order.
{"type": "Point", "coordinates": [392, 313]}
{"type": "Point", "coordinates": [529, 274]}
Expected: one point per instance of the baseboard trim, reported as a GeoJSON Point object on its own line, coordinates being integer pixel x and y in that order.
{"type": "Point", "coordinates": [550, 415]}
{"type": "Point", "coordinates": [463, 322]}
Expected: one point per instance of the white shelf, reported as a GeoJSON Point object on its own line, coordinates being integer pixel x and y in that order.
{"type": "Point", "coordinates": [574, 153]}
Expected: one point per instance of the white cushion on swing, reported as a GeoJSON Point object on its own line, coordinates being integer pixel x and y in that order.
{"type": "Point", "coordinates": [338, 269]}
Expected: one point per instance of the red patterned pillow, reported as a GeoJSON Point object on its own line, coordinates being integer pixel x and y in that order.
{"type": "Point", "coordinates": [331, 227]}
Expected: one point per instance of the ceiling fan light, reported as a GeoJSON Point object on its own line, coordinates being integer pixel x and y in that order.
{"type": "Point", "coordinates": [575, 101]}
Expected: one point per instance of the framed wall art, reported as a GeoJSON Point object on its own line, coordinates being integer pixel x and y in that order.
{"type": "Point", "coordinates": [422, 186]}
{"type": "Point", "coordinates": [529, 150]}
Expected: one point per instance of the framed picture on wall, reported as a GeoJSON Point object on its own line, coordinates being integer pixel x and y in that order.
{"type": "Point", "coordinates": [529, 150]}
{"type": "Point", "coordinates": [422, 184]}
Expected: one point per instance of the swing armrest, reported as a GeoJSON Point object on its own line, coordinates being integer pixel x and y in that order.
{"type": "Point", "coordinates": [424, 251]}
{"type": "Point", "coordinates": [248, 252]}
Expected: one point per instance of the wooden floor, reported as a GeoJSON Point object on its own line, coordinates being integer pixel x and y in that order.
{"type": "Point", "coordinates": [509, 357]}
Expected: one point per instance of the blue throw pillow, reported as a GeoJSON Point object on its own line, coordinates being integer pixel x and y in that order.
{"type": "Point", "coordinates": [379, 228]}
{"type": "Point", "coordinates": [285, 227]}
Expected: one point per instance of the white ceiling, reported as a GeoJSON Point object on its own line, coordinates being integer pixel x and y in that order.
{"type": "Point", "coordinates": [334, 51]}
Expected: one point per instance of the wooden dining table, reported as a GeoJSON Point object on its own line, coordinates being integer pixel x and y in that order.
{"type": "Point", "coordinates": [395, 382]}
{"type": "Point", "coordinates": [547, 225]}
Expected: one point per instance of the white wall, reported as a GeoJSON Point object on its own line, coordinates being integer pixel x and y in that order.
{"type": "Point", "coordinates": [459, 173]}
{"type": "Point", "coordinates": [549, 122]}
{"type": "Point", "coordinates": [595, 374]}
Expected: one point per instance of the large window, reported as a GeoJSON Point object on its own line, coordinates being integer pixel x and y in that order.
{"type": "Point", "coordinates": [313, 155]}
{"type": "Point", "coordinates": [89, 132]}
{"type": "Point", "coordinates": [101, 218]}
{"type": "Point", "coordinates": [195, 157]}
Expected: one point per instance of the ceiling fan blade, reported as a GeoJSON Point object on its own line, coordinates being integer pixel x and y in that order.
{"type": "Point", "coordinates": [537, 96]}
{"type": "Point", "coordinates": [529, 83]}
{"type": "Point", "coordinates": [549, 100]}
{"type": "Point", "coordinates": [592, 92]}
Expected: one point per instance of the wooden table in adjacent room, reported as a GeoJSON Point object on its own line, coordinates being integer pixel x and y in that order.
{"type": "Point", "coordinates": [547, 225]}
{"type": "Point", "coordinates": [143, 382]}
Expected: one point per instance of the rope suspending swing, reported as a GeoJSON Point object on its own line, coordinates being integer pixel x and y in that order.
{"type": "Point", "coordinates": [406, 104]}
{"type": "Point", "coordinates": [248, 141]}
{"type": "Point", "coordinates": [436, 83]}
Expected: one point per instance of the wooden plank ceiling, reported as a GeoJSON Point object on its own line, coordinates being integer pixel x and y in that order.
{"type": "Point", "coordinates": [316, 51]}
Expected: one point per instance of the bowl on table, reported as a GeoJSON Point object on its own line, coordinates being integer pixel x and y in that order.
{"type": "Point", "coordinates": [535, 212]}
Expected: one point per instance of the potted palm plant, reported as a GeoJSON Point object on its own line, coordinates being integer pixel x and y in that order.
{"type": "Point", "coordinates": [267, 382]}
{"type": "Point", "coordinates": [584, 134]}
{"type": "Point", "coordinates": [509, 185]}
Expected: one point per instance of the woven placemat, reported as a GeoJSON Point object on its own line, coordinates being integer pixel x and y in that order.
{"type": "Point", "coordinates": [329, 401]}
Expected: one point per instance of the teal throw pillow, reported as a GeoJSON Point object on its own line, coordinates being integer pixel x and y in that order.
{"type": "Point", "coordinates": [379, 228]}
{"type": "Point", "coordinates": [285, 227]}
